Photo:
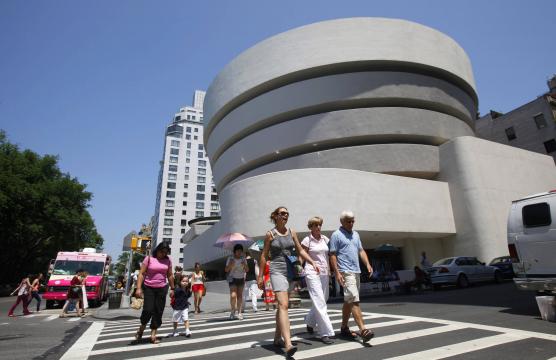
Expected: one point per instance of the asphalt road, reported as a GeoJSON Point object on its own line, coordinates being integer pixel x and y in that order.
{"type": "Point", "coordinates": [481, 322]}
{"type": "Point", "coordinates": [38, 336]}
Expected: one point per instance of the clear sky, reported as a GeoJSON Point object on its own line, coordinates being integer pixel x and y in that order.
{"type": "Point", "coordinates": [95, 82]}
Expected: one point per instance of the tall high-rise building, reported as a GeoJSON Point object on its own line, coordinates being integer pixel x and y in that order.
{"type": "Point", "coordinates": [185, 188]}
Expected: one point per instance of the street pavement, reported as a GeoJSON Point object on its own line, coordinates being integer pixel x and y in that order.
{"type": "Point", "coordinates": [481, 322]}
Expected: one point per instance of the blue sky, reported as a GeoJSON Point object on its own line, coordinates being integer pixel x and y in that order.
{"type": "Point", "coordinates": [96, 82]}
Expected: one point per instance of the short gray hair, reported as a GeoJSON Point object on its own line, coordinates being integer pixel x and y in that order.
{"type": "Point", "coordinates": [346, 214]}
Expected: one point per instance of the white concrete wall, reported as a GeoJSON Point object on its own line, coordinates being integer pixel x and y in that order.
{"type": "Point", "coordinates": [484, 178]}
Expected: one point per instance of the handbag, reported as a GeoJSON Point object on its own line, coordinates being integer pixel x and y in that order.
{"type": "Point", "coordinates": [136, 303]}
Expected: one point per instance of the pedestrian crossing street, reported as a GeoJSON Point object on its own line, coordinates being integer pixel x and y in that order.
{"type": "Point", "coordinates": [397, 338]}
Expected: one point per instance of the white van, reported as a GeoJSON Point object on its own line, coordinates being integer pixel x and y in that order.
{"type": "Point", "coordinates": [532, 242]}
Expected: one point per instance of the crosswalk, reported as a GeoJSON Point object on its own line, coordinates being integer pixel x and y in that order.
{"type": "Point", "coordinates": [398, 337]}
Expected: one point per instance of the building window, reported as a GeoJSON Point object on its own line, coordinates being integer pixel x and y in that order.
{"type": "Point", "coordinates": [167, 240]}
{"type": "Point", "coordinates": [202, 163]}
{"type": "Point", "coordinates": [185, 194]}
{"type": "Point", "coordinates": [181, 249]}
{"type": "Point", "coordinates": [173, 168]}
{"type": "Point", "coordinates": [187, 160]}
{"type": "Point", "coordinates": [181, 260]}
{"type": "Point", "coordinates": [540, 121]}
{"type": "Point", "coordinates": [201, 179]}
{"type": "Point", "coordinates": [187, 169]}
{"type": "Point", "coordinates": [183, 232]}
{"type": "Point", "coordinates": [173, 159]}
{"type": "Point", "coordinates": [199, 214]}
{"type": "Point", "coordinates": [200, 196]}
{"type": "Point", "coordinates": [174, 151]}
{"type": "Point", "coordinates": [183, 222]}
{"type": "Point", "coordinates": [186, 186]}
{"type": "Point", "coordinates": [188, 153]}
{"type": "Point", "coordinates": [171, 185]}
{"type": "Point", "coordinates": [196, 130]}
{"type": "Point", "coordinates": [168, 222]}
{"type": "Point", "coordinates": [200, 155]}
{"type": "Point", "coordinates": [189, 145]}
{"type": "Point", "coordinates": [188, 129]}
{"type": "Point", "coordinates": [195, 137]}
{"type": "Point", "coordinates": [200, 187]}
{"type": "Point", "coordinates": [214, 198]}
{"type": "Point", "coordinates": [175, 143]}
{"type": "Point", "coordinates": [167, 231]}
{"type": "Point", "coordinates": [168, 212]}
{"type": "Point", "coordinates": [172, 176]}
{"type": "Point", "coordinates": [169, 203]}
{"type": "Point", "coordinates": [214, 213]}
{"type": "Point", "coordinates": [201, 171]}
{"type": "Point", "coordinates": [213, 188]}
{"type": "Point", "coordinates": [200, 205]}
{"type": "Point", "coordinates": [184, 212]}
{"type": "Point", "coordinates": [187, 137]}
{"type": "Point", "coordinates": [201, 147]}
{"type": "Point", "coordinates": [171, 194]}
{"type": "Point", "coordinates": [184, 203]}
{"type": "Point", "coordinates": [214, 206]}
{"type": "Point", "coordinates": [186, 177]}
{"type": "Point", "coordinates": [177, 118]}
{"type": "Point", "coordinates": [510, 133]}
{"type": "Point", "coordinates": [550, 146]}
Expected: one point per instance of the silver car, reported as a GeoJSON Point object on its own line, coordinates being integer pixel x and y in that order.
{"type": "Point", "coordinates": [462, 271]}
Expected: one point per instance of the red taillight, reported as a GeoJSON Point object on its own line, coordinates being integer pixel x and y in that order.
{"type": "Point", "coordinates": [513, 252]}
{"type": "Point", "coordinates": [443, 270]}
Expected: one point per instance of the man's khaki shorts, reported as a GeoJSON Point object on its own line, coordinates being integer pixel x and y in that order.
{"type": "Point", "coordinates": [351, 287]}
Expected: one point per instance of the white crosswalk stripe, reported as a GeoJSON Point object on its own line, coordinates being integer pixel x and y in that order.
{"type": "Point", "coordinates": [215, 337]}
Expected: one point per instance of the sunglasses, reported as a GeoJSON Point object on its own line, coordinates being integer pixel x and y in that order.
{"type": "Point", "coordinates": [284, 213]}
{"type": "Point", "coordinates": [350, 221]}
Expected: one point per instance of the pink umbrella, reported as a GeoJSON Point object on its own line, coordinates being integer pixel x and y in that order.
{"type": "Point", "coordinates": [227, 241]}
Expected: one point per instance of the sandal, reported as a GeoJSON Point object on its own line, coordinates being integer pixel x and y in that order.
{"type": "Point", "coordinates": [138, 335]}
{"type": "Point", "coordinates": [291, 351]}
{"type": "Point", "coordinates": [155, 341]}
{"type": "Point", "coordinates": [347, 333]}
{"type": "Point", "coordinates": [367, 335]}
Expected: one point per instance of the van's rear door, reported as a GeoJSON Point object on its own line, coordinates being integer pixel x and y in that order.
{"type": "Point", "coordinates": [536, 245]}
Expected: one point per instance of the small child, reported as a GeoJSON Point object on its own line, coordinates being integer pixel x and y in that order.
{"type": "Point", "coordinates": [181, 306]}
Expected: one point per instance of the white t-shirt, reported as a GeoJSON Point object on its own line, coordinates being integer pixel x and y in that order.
{"type": "Point", "coordinates": [318, 251]}
{"type": "Point", "coordinates": [237, 271]}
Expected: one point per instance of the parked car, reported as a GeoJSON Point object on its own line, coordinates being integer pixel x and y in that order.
{"type": "Point", "coordinates": [462, 271]}
{"type": "Point", "coordinates": [505, 265]}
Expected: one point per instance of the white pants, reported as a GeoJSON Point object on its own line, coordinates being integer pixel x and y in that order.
{"type": "Point", "coordinates": [254, 301]}
{"type": "Point", "coordinates": [318, 316]}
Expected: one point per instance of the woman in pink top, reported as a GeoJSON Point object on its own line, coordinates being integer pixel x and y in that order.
{"type": "Point", "coordinates": [151, 285]}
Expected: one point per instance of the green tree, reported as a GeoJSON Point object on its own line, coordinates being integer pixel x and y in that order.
{"type": "Point", "coordinates": [42, 211]}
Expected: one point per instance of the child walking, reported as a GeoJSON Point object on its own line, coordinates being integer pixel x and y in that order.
{"type": "Point", "coordinates": [180, 304]}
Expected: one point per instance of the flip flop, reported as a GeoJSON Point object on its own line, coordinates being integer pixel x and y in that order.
{"type": "Point", "coordinates": [155, 341]}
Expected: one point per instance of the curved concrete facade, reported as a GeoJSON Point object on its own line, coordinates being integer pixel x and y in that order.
{"type": "Point", "coordinates": [351, 114]}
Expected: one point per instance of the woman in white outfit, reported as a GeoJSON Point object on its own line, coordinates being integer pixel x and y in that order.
{"type": "Point", "coordinates": [316, 245]}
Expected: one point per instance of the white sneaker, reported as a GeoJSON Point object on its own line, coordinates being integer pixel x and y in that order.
{"type": "Point", "coordinates": [187, 333]}
{"type": "Point", "coordinates": [240, 316]}
{"type": "Point", "coordinates": [232, 316]}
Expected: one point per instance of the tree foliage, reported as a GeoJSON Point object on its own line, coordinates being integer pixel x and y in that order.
{"type": "Point", "coordinates": [121, 266]}
{"type": "Point", "coordinates": [42, 211]}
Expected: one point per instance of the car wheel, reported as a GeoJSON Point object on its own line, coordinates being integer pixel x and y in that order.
{"type": "Point", "coordinates": [49, 304]}
{"type": "Point", "coordinates": [498, 277]}
{"type": "Point", "coordinates": [462, 281]}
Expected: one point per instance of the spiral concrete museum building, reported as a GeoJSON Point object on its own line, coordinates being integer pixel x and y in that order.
{"type": "Point", "coordinates": [369, 114]}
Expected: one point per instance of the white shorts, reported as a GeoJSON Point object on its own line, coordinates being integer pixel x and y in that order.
{"type": "Point", "coordinates": [351, 287]}
{"type": "Point", "coordinates": [180, 316]}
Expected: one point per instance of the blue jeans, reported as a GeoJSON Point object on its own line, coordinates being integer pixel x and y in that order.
{"type": "Point", "coordinates": [35, 295]}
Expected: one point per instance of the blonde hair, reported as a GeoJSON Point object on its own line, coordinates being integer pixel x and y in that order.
{"type": "Point", "coordinates": [275, 213]}
{"type": "Point", "coordinates": [315, 220]}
